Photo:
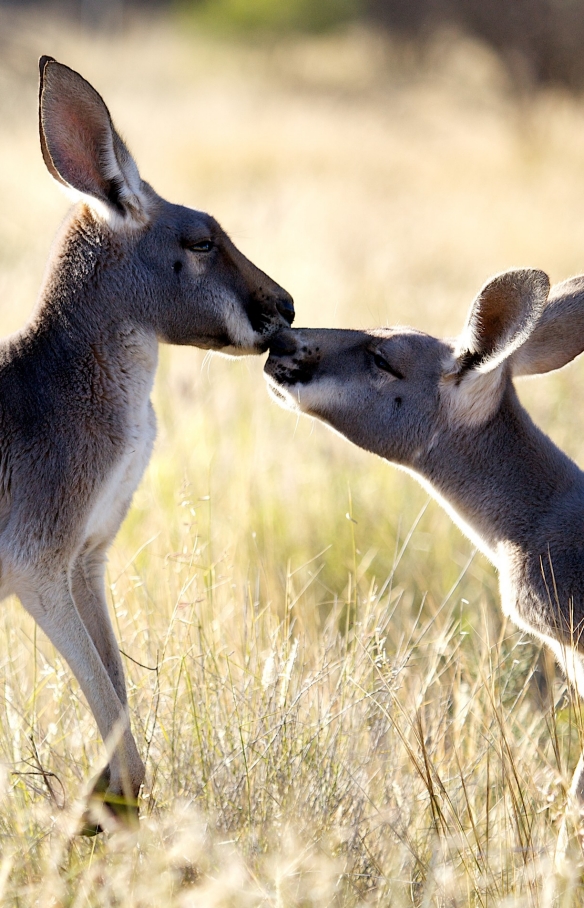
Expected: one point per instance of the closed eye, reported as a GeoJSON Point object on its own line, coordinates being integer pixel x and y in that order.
{"type": "Point", "coordinates": [381, 363]}
{"type": "Point", "coordinates": [198, 246]}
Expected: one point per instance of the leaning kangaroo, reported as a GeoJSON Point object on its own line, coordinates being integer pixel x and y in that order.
{"type": "Point", "coordinates": [447, 412]}
{"type": "Point", "coordinates": [77, 426]}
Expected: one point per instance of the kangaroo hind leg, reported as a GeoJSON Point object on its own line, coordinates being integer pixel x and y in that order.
{"type": "Point", "coordinates": [88, 590]}
{"type": "Point", "coordinates": [48, 599]}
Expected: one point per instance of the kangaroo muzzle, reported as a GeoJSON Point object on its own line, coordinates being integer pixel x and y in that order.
{"type": "Point", "coordinates": [293, 358]}
{"type": "Point", "coordinates": [268, 313]}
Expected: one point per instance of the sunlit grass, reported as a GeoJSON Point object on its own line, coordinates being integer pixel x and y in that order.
{"type": "Point", "coordinates": [331, 709]}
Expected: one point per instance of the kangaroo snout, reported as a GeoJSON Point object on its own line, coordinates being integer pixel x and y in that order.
{"type": "Point", "coordinates": [282, 344]}
{"type": "Point", "coordinates": [267, 305]}
{"type": "Point", "coordinates": [270, 311]}
{"type": "Point", "coordinates": [293, 359]}
{"type": "Point", "coordinates": [285, 306]}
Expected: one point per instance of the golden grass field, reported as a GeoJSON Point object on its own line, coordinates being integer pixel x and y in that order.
{"type": "Point", "coordinates": [331, 710]}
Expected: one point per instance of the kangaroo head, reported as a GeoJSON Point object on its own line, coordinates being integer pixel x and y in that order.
{"type": "Point", "coordinates": [171, 268]}
{"type": "Point", "coordinates": [396, 391]}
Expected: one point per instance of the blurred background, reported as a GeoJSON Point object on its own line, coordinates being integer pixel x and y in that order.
{"type": "Point", "coordinates": [538, 41]}
{"type": "Point", "coordinates": [380, 159]}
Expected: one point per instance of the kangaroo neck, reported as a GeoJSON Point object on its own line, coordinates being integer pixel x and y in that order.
{"type": "Point", "coordinates": [86, 298]}
{"type": "Point", "coordinates": [500, 481]}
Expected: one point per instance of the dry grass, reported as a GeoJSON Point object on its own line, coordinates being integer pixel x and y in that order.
{"type": "Point", "coordinates": [331, 711]}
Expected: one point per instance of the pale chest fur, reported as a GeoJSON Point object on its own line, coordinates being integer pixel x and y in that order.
{"type": "Point", "coordinates": [114, 494]}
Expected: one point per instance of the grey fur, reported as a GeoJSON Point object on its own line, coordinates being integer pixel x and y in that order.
{"type": "Point", "coordinates": [448, 412]}
{"type": "Point", "coordinates": [77, 427]}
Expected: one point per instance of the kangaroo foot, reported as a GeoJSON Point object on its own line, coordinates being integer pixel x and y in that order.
{"type": "Point", "coordinates": [106, 810]}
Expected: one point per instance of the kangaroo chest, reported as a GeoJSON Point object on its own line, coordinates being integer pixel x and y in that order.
{"type": "Point", "coordinates": [113, 493]}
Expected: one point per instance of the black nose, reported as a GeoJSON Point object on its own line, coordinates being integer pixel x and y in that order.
{"type": "Point", "coordinates": [285, 306]}
{"type": "Point", "coordinates": [283, 343]}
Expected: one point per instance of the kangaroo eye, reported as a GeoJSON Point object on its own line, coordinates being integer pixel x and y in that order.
{"type": "Point", "coordinates": [382, 364]}
{"type": "Point", "coordinates": [200, 246]}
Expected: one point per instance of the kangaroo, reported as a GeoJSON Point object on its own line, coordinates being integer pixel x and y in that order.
{"type": "Point", "coordinates": [447, 412]}
{"type": "Point", "coordinates": [128, 270]}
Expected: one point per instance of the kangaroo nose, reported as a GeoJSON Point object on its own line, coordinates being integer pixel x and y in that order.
{"type": "Point", "coordinates": [285, 306]}
{"type": "Point", "coordinates": [283, 343]}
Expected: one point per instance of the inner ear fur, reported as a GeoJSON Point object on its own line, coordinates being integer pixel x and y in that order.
{"type": "Point", "coordinates": [500, 320]}
{"type": "Point", "coordinates": [80, 145]}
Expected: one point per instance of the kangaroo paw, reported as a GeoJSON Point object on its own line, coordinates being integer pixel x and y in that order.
{"type": "Point", "coordinates": [106, 810]}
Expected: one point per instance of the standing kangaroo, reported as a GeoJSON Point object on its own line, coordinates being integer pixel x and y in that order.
{"type": "Point", "coordinates": [76, 423]}
{"type": "Point", "coordinates": [447, 412]}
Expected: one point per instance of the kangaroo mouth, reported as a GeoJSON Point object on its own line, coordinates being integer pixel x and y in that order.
{"type": "Point", "coordinates": [290, 369]}
{"type": "Point", "coordinates": [285, 377]}
{"type": "Point", "coordinates": [283, 395]}
{"type": "Point", "coordinates": [276, 392]}
{"type": "Point", "coordinates": [244, 337]}
{"type": "Point", "coordinates": [264, 332]}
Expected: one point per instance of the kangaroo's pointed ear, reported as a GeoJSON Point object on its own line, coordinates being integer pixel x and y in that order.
{"type": "Point", "coordinates": [81, 147]}
{"type": "Point", "coordinates": [558, 336]}
{"type": "Point", "coordinates": [500, 320]}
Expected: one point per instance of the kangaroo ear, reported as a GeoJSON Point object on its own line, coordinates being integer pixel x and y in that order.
{"type": "Point", "coordinates": [558, 336]}
{"type": "Point", "coordinates": [501, 319]}
{"type": "Point", "coordinates": [81, 147]}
